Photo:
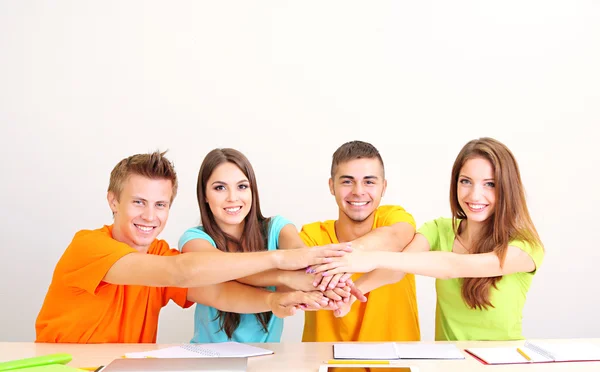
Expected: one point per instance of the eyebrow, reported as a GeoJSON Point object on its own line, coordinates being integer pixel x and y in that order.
{"type": "Point", "coordinates": [469, 178]}
{"type": "Point", "coordinates": [225, 183]}
{"type": "Point", "coordinates": [145, 200]}
{"type": "Point", "coordinates": [364, 178]}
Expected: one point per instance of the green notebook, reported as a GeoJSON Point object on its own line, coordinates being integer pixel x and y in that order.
{"type": "Point", "coordinates": [28, 364]}
{"type": "Point", "coordinates": [49, 368]}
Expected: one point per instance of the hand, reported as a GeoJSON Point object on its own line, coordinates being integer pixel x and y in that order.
{"type": "Point", "coordinates": [328, 282]}
{"type": "Point", "coordinates": [357, 293]}
{"type": "Point", "coordinates": [298, 280]}
{"type": "Point", "coordinates": [358, 261]}
{"type": "Point", "coordinates": [295, 259]}
{"type": "Point", "coordinates": [284, 304]}
{"type": "Point", "coordinates": [343, 309]}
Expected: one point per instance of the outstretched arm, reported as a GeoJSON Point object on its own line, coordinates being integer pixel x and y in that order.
{"type": "Point", "coordinates": [239, 298]}
{"type": "Point", "coordinates": [442, 265]}
{"type": "Point", "coordinates": [197, 269]}
{"type": "Point", "coordinates": [391, 238]}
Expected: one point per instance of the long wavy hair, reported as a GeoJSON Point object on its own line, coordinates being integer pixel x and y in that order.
{"type": "Point", "coordinates": [509, 221]}
{"type": "Point", "coordinates": [255, 226]}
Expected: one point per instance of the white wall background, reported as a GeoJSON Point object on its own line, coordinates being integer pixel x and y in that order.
{"type": "Point", "coordinates": [84, 84]}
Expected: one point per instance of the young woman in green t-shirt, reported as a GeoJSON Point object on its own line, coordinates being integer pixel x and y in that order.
{"type": "Point", "coordinates": [484, 257]}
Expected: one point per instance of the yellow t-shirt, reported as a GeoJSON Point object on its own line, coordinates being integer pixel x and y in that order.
{"type": "Point", "coordinates": [390, 314]}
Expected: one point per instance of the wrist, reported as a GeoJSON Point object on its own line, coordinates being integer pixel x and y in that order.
{"type": "Point", "coordinates": [276, 257]}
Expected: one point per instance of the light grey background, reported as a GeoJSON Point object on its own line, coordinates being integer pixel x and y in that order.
{"type": "Point", "coordinates": [84, 84]}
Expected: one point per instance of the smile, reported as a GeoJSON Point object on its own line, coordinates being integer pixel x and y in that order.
{"type": "Point", "coordinates": [358, 204]}
{"type": "Point", "coordinates": [145, 229]}
{"type": "Point", "coordinates": [233, 210]}
{"type": "Point", "coordinates": [474, 207]}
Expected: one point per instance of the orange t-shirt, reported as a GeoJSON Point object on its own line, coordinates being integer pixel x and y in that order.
{"type": "Point", "coordinates": [390, 313]}
{"type": "Point", "coordinates": [81, 308]}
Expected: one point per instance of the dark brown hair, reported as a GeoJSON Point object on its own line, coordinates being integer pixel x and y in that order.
{"type": "Point", "coordinates": [255, 227]}
{"type": "Point", "coordinates": [354, 150]}
{"type": "Point", "coordinates": [153, 166]}
{"type": "Point", "coordinates": [510, 220]}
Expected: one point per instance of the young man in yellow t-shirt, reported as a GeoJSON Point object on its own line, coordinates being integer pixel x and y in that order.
{"type": "Point", "coordinates": [358, 183]}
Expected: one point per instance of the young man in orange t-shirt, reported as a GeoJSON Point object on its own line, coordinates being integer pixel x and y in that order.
{"type": "Point", "coordinates": [358, 183]}
{"type": "Point", "coordinates": [111, 283]}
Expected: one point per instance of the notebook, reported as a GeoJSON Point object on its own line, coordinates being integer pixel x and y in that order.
{"type": "Point", "coordinates": [538, 352]}
{"type": "Point", "coordinates": [394, 350]}
{"type": "Point", "coordinates": [217, 350]}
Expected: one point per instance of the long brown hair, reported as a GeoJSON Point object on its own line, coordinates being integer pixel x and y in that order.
{"type": "Point", "coordinates": [255, 226]}
{"type": "Point", "coordinates": [509, 221]}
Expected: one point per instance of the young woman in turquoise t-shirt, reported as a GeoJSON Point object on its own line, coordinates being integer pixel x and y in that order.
{"type": "Point", "coordinates": [484, 257]}
{"type": "Point", "coordinates": [232, 221]}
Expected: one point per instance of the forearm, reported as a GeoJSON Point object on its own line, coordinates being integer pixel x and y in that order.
{"type": "Point", "coordinates": [386, 238]}
{"type": "Point", "coordinates": [196, 269]}
{"type": "Point", "coordinates": [265, 279]}
{"type": "Point", "coordinates": [232, 297]}
{"type": "Point", "coordinates": [441, 265]}
{"type": "Point", "coordinates": [378, 278]}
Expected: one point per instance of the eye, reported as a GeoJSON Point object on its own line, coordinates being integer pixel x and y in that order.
{"type": "Point", "coordinates": [370, 182]}
{"type": "Point", "coordinates": [464, 181]}
{"type": "Point", "coordinates": [346, 182]}
{"type": "Point", "coordinates": [243, 186]}
{"type": "Point", "coordinates": [219, 187]}
{"type": "Point", "coordinates": [161, 205]}
{"type": "Point", "coordinates": [138, 202]}
{"type": "Point", "coordinates": [490, 184]}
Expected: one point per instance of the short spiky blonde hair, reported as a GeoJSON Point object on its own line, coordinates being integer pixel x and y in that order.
{"type": "Point", "coordinates": [153, 166]}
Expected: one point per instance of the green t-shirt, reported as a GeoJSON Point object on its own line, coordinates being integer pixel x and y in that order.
{"type": "Point", "coordinates": [454, 320]}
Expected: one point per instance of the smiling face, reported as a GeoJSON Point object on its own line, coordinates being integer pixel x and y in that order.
{"type": "Point", "coordinates": [476, 189]}
{"type": "Point", "coordinates": [229, 197]}
{"type": "Point", "coordinates": [358, 186]}
{"type": "Point", "coordinates": [141, 210]}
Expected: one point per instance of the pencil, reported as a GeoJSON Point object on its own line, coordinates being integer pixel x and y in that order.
{"type": "Point", "coordinates": [523, 354]}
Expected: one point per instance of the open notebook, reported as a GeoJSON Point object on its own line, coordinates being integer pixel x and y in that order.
{"type": "Point", "coordinates": [394, 350]}
{"type": "Point", "coordinates": [538, 352]}
{"type": "Point", "coordinates": [216, 350]}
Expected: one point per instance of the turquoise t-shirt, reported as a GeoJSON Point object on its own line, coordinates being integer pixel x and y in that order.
{"type": "Point", "coordinates": [454, 320]}
{"type": "Point", "coordinates": [206, 321]}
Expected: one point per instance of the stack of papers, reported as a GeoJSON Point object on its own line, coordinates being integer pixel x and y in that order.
{"type": "Point", "coordinates": [394, 351]}
{"type": "Point", "coordinates": [216, 350]}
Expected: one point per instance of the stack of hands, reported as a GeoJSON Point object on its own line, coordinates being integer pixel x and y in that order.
{"type": "Point", "coordinates": [316, 287]}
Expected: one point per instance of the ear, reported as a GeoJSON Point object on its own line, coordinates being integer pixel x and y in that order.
{"type": "Point", "coordinates": [331, 187]}
{"type": "Point", "coordinates": [112, 201]}
{"type": "Point", "coordinates": [384, 187]}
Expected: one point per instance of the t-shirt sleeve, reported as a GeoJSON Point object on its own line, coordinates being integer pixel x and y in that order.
{"type": "Point", "coordinates": [178, 295]}
{"type": "Point", "coordinates": [89, 257]}
{"type": "Point", "coordinates": [431, 232]}
{"type": "Point", "coordinates": [535, 252]}
{"type": "Point", "coordinates": [275, 225]}
{"type": "Point", "coordinates": [309, 233]}
{"type": "Point", "coordinates": [394, 214]}
{"type": "Point", "coordinates": [195, 233]}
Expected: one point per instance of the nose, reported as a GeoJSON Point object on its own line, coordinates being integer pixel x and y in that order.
{"type": "Point", "coordinates": [149, 213]}
{"type": "Point", "coordinates": [232, 195]}
{"type": "Point", "coordinates": [358, 188]}
{"type": "Point", "coordinates": [476, 192]}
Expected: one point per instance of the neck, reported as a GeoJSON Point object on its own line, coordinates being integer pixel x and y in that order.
{"type": "Point", "coordinates": [471, 231]}
{"type": "Point", "coordinates": [233, 230]}
{"type": "Point", "coordinates": [347, 230]}
{"type": "Point", "coordinates": [120, 237]}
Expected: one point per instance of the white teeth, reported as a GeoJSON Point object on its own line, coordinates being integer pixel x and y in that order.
{"type": "Point", "coordinates": [358, 204]}
{"type": "Point", "coordinates": [235, 209]}
{"type": "Point", "coordinates": [144, 228]}
{"type": "Point", "coordinates": [477, 206]}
